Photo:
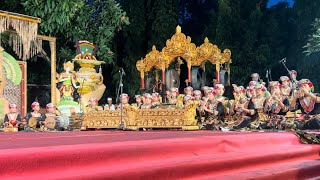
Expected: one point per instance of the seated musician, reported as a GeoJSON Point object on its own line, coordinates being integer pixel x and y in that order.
{"type": "Point", "coordinates": [156, 99]}
{"type": "Point", "coordinates": [205, 90]}
{"type": "Point", "coordinates": [51, 110]}
{"type": "Point", "coordinates": [92, 106]}
{"type": "Point", "coordinates": [138, 100]}
{"type": "Point", "coordinates": [276, 106]}
{"type": "Point", "coordinates": [188, 91]}
{"type": "Point", "coordinates": [249, 91]}
{"type": "Point", "coordinates": [93, 102]}
{"type": "Point", "coordinates": [309, 104]}
{"type": "Point", "coordinates": [285, 86]}
{"type": "Point", "coordinates": [219, 89]}
{"type": "Point", "coordinates": [124, 100]}
{"type": "Point", "coordinates": [109, 105]}
{"type": "Point", "coordinates": [214, 112]}
{"type": "Point", "coordinates": [187, 99]}
{"type": "Point", "coordinates": [36, 114]}
{"type": "Point", "coordinates": [259, 101]}
{"type": "Point", "coordinates": [13, 117]}
{"type": "Point", "coordinates": [197, 95]}
{"type": "Point", "coordinates": [174, 92]}
{"type": "Point", "coordinates": [242, 109]}
{"type": "Point", "coordinates": [147, 101]}
{"type": "Point", "coordinates": [293, 76]}
{"type": "Point", "coordinates": [255, 77]}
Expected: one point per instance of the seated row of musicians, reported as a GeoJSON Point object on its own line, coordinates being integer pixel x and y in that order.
{"type": "Point", "coordinates": [256, 108]}
{"type": "Point", "coordinates": [14, 118]}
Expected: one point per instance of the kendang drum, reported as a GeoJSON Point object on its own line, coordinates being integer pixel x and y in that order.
{"type": "Point", "coordinates": [33, 122]}
{"type": "Point", "coordinates": [51, 123]}
{"type": "Point", "coordinates": [58, 122]}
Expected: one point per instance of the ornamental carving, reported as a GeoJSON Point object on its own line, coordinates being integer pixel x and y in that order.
{"type": "Point", "coordinates": [133, 118]}
{"type": "Point", "coordinates": [180, 45]}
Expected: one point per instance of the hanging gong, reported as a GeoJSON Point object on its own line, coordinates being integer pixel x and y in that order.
{"type": "Point", "coordinates": [172, 79]}
{"type": "Point", "coordinates": [203, 79]}
{"type": "Point", "coordinates": [223, 77]}
{"type": "Point", "coordinates": [150, 83]}
{"type": "Point", "coordinates": [198, 78]}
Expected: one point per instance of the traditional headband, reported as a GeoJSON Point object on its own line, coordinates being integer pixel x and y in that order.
{"type": "Point", "coordinates": [197, 92]}
{"type": "Point", "coordinates": [219, 86]}
{"type": "Point", "coordinates": [284, 78]}
{"type": "Point", "coordinates": [274, 83]}
{"type": "Point", "coordinates": [93, 100]}
{"type": "Point", "coordinates": [239, 89]}
{"type": "Point", "coordinates": [34, 104]}
{"type": "Point", "coordinates": [305, 81]}
{"type": "Point", "coordinates": [12, 106]}
{"type": "Point", "coordinates": [50, 105]}
{"type": "Point", "coordinates": [147, 95]}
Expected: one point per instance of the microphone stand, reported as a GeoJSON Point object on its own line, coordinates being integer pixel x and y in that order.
{"type": "Point", "coordinates": [121, 125]}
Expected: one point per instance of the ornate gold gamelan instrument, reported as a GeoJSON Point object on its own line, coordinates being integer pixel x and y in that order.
{"type": "Point", "coordinates": [33, 122]}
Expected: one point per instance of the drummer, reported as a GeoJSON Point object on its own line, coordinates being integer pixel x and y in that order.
{"type": "Point", "coordinates": [36, 114]}
{"type": "Point", "coordinates": [51, 110]}
{"type": "Point", "coordinates": [13, 117]}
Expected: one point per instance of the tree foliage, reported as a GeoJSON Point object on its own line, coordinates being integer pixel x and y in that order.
{"type": "Point", "coordinates": [313, 44]}
{"type": "Point", "coordinates": [73, 20]}
{"type": "Point", "coordinates": [258, 36]}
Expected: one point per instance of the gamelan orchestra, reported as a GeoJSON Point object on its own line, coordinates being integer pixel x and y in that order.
{"type": "Point", "coordinates": [286, 104]}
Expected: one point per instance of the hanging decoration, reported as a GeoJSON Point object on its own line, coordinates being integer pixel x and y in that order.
{"type": "Point", "coordinates": [24, 43]}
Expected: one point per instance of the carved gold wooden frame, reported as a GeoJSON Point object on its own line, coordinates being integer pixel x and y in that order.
{"type": "Point", "coordinates": [180, 45]}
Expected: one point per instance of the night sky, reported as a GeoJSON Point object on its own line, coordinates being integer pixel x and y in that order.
{"type": "Point", "coordinates": [273, 2]}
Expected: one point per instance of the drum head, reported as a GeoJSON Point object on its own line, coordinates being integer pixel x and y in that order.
{"type": "Point", "coordinates": [32, 122]}
{"type": "Point", "coordinates": [50, 122]}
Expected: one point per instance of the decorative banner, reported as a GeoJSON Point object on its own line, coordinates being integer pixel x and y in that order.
{"type": "Point", "coordinates": [15, 77]}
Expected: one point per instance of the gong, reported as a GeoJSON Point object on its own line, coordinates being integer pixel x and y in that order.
{"type": "Point", "coordinates": [172, 79]}
{"type": "Point", "coordinates": [150, 83]}
{"type": "Point", "coordinates": [198, 77]}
